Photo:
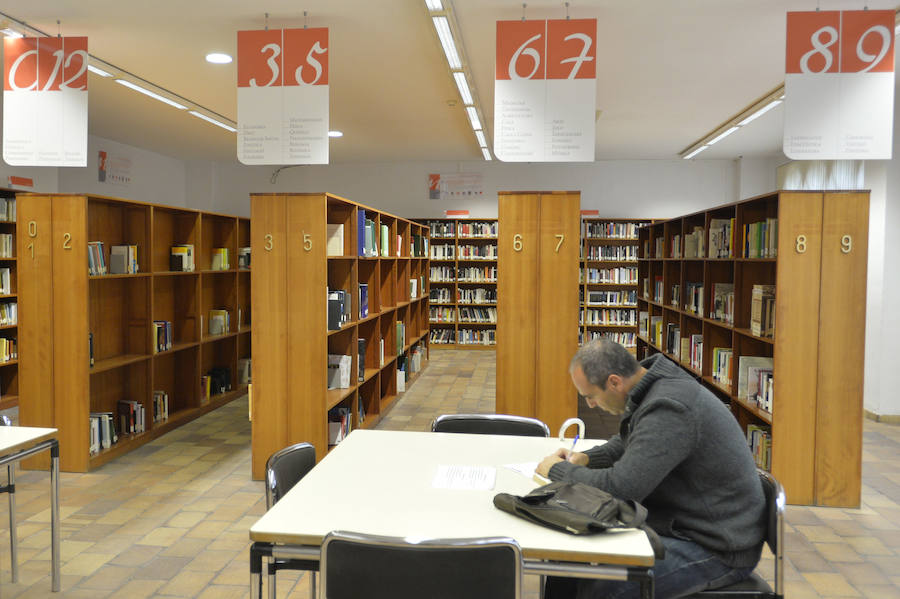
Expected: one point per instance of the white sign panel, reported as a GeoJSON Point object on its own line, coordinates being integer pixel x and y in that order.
{"type": "Point", "coordinates": [545, 90]}
{"type": "Point", "coordinates": [839, 85]}
{"type": "Point", "coordinates": [45, 101]}
{"type": "Point", "coordinates": [283, 96]}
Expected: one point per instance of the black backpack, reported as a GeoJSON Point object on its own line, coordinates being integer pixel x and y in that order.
{"type": "Point", "coordinates": [579, 509]}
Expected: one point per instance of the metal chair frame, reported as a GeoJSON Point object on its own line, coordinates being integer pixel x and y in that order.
{"type": "Point", "coordinates": [538, 428]}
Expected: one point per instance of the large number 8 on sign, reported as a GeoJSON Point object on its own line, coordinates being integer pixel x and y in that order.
{"type": "Point", "coordinates": [820, 48]}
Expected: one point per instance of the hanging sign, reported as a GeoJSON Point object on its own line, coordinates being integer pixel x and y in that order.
{"type": "Point", "coordinates": [839, 85]}
{"type": "Point", "coordinates": [283, 96]}
{"type": "Point", "coordinates": [545, 90]}
{"type": "Point", "coordinates": [45, 101]}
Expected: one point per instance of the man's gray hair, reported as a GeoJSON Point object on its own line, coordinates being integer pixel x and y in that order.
{"type": "Point", "coordinates": [601, 358]}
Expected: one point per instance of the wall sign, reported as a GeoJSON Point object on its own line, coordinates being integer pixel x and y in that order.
{"type": "Point", "coordinates": [45, 101]}
{"type": "Point", "coordinates": [839, 85]}
{"type": "Point", "coordinates": [283, 96]}
{"type": "Point", "coordinates": [545, 90]}
{"type": "Point", "coordinates": [455, 186]}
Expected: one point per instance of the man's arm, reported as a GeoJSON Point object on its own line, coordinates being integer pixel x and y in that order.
{"type": "Point", "coordinates": [661, 440]}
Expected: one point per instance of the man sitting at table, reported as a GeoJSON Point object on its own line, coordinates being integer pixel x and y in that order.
{"type": "Point", "coordinates": [681, 454]}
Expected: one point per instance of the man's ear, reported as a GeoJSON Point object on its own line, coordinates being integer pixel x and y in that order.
{"type": "Point", "coordinates": [614, 382]}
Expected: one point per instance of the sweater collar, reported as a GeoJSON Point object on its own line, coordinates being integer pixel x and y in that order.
{"type": "Point", "coordinates": [657, 367]}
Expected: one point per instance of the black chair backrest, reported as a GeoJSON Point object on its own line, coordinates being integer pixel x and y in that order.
{"type": "Point", "coordinates": [774, 506]}
{"type": "Point", "coordinates": [374, 567]}
{"type": "Point", "coordinates": [490, 424]}
{"type": "Point", "coordinates": [285, 468]}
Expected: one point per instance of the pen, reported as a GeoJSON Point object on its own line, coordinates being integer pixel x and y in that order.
{"type": "Point", "coordinates": [574, 441]}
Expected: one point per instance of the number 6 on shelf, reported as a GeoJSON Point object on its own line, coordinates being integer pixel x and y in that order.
{"type": "Point", "coordinates": [517, 242]}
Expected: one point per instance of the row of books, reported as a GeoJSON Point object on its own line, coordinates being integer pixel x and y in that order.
{"type": "Point", "coordinates": [5, 282]}
{"type": "Point", "coordinates": [338, 309]}
{"type": "Point", "coordinates": [9, 314]}
{"type": "Point", "coordinates": [761, 239]}
{"type": "Point", "coordinates": [760, 440]}
{"type": "Point", "coordinates": [339, 370]}
{"type": "Point", "coordinates": [477, 252]}
{"type": "Point", "coordinates": [418, 245]}
{"type": "Point", "coordinates": [673, 339]}
{"type": "Point", "coordinates": [408, 366]}
{"type": "Point", "coordinates": [762, 310]}
{"type": "Point", "coordinates": [440, 295]}
{"type": "Point", "coordinates": [441, 314]}
{"type": "Point", "coordinates": [721, 238]}
{"type": "Point", "coordinates": [609, 253]}
{"type": "Point", "coordinates": [622, 275]}
{"type": "Point", "coordinates": [181, 258]}
{"type": "Point", "coordinates": [602, 230]}
{"type": "Point", "coordinates": [721, 365]}
{"type": "Point", "coordinates": [693, 298]}
{"type": "Point", "coordinates": [477, 274]}
{"type": "Point", "coordinates": [8, 349]}
{"type": "Point", "coordinates": [8, 210]}
{"type": "Point", "coordinates": [216, 381]}
{"type": "Point", "coordinates": [476, 337]}
{"type": "Point", "coordinates": [220, 259]}
{"type": "Point", "coordinates": [612, 298]}
{"type": "Point", "coordinates": [416, 286]}
{"type": "Point", "coordinates": [476, 295]}
{"type": "Point", "coordinates": [443, 252]}
{"type": "Point", "coordinates": [607, 317]}
{"type": "Point", "coordinates": [123, 260]}
{"type": "Point", "coordinates": [103, 433]}
{"type": "Point", "coordinates": [96, 259]}
{"type": "Point", "coordinates": [244, 258]}
{"type": "Point", "coordinates": [624, 338]}
{"type": "Point", "coordinates": [219, 322]}
{"type": "Point", "coordinates": [7, 249]}
{"type": "Point", "coordinates": [659, 245]}
{"type": "Point", "coordinates": [478, 229]}
{"type": "Point", "coordinates": [442, 228]}
{"type": "Point", "coordinates": [162, 335]}
{"type": "Point", "coordinates": [723, 302]}
{"type": "Point", "coordinates": [481, 315]}
{"type": "Point", "coordinates": [339, 424]}
{"type": "Point", "coordinates": [755, 380]}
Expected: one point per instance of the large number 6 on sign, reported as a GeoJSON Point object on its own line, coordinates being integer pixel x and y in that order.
{"type": "Point", "coordinates": [524, 49]}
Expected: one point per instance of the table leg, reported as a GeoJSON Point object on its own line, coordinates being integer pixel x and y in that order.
{"type": "Point", "coordinates": [647, 586]}
{"type": "Point", "coordinates": [256, 559]}
{"type": "Point", "coordinates": [54, 518]}
{"type": "Point", "coordinates": [13, 540]}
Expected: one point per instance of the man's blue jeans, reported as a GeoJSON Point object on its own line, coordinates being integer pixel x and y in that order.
{"type": "Point", "coordinates": [688, 568]}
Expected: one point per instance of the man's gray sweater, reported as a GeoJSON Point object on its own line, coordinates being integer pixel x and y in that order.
{"type": "Point", "coordinates": [681, 454]}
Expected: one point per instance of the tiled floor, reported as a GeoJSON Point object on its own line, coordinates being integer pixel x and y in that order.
{"type": "Point", "coordinates": [171, 519]}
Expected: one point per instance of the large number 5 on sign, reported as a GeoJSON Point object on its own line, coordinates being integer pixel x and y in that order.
{"type": "Point", "coordinates": [521, 48]}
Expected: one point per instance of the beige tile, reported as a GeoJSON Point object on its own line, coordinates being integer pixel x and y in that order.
{"type": "Point", "coordinates": [869, 546]}
{"type": "Point", "coordinates": [187, 583]}
{"type": "Point", "coordinates": [139, 589]}
{"type": "Point", "coordinates": [85, 564]}
{"type": "Point", "coordinates": [136, 555]}
{"type": "Point", "coordinates": [837, 552]}
{"type": "Point", "coordinates": [163, 536]}
{"type": "Point", "coordinates": [224, 592]}
{"type": "Point", "coordinates": [830, 585]}
{"type": "Point", "coordinates": [186, 519]}
{"type": "Point", "coordinates": [108, 578]}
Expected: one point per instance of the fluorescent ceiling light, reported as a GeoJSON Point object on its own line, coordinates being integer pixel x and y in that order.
{"type": "Point", "coordinates": [212, 120]}
{"type": "Point", "coordinates": [473, 117]}
{"type": "Point", "coordinates": [153, 95]}
{"type": "Point", "coordinates": [335, 134]}
{"type": "Point", "coordinates": [98, 71]}
{"type": "Point", "coordinates": [11, 33]}
{"type": "Point", "coordinates": [218, 58]}
{"type": "Point", "coordinates": [442, 26]}
{"type": "Point", "coordinates": [486, 153]}
{"type": "Point", "coordinates": [722, 135]}
{"type": "Point", "coordinates": [695, 152]}
{"type": "Point", "coordinates": [760, 112]}
{"type": "Point", "coordinates": [434, 5]}
{"type": "Point", "coordinates": [463, 85]}
{"type": "Point", "coordinates": [481, 140]}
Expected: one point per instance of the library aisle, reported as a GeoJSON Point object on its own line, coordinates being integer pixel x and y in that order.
{"type": "Point", "coordinates": [170, 519]}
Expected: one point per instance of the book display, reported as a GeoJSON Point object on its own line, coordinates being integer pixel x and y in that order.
{"type": "Point", "coordinates": [117, 358]}
{"type": "Point", "coordinates": [609, 280]}
{"type": "Point", "coordinates": [749, 294]}
{"type": "Point", "coordinates": [9, 302]}
{"type": "Point", "coordinates": [463, 282]}
{"type": "Point", "coordinates": [340, 324]}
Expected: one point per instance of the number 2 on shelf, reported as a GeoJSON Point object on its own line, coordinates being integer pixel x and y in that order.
{"type": "Point", "coordinates": [67, 241]}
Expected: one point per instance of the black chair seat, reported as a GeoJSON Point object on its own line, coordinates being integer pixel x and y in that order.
{"type": "Point", "coordinates": [753, 586]}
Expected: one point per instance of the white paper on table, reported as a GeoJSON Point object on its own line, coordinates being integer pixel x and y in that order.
{"type": "Point", "coordinates": [525, 468]}
{"type": "Point", "coordinates": [464, 477]}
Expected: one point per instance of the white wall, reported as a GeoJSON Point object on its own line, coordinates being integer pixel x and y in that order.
{"type": "Point", "coordinates": [757, 176]}
{"type": "Point", "coordinates": [155, 178]}
{"type": "Point", "coordinates": [45, 179]}
{"type": "Point", "coordinates": [627, 188]}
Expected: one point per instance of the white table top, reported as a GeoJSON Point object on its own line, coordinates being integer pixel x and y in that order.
{"type": "Point", "coordinates": [380, 482]}
{"type": "Point", "coordinates": [14, 438]}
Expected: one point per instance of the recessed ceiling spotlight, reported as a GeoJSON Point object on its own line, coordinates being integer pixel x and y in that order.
{"type": "Point", "coordinates": [218, 58]}
{"type": "Point", "coordinates": [335, 134]}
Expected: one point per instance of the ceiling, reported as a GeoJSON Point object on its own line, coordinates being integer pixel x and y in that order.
{"type": "Point", "coordinates": [668, 72]}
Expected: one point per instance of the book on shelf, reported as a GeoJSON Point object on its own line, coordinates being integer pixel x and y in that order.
{"type": "Point", "coordinates": [760, 387]}
{"type": "Point", "coordinates": [339, 424]}
{"type": "Point", "coordinates": [721, 238]}
{"type": "Point", "coordinates": [123, 260]}
{"type": "Point", "coordinates": [361, 358]}
{"type": "Point", "coordinates": [360, 411]}
{"type": "Point", "coordinates": [401, 376]}
{"type": "Point", "coordinates": [676, 295]}
{"type": "Point", "coordinates": [339, 371]}
{"type": "Point", "coordinates": [6, 245]}
{"type": "Point", "coordinates": [363, 300]}
{"type": "Point", "coordinates": [656, 327]}
{"type": "Point", "coordinates": [162, 335]}
{"type": "Point", "coordinates": [334, 245]}
{"type": "Point", "coordinates": [96, 259]}
{"type": "Point", "coordinates": [762, 310]}
{"type": "Point", "coordinates": [760, 440]}
{"type": "Point", "coordinates": [761, 239]}
{"type": "Point", "coordinates": [644, 324]}
{"type": "Point", "coordinates": [401, 336]}
{"type": "Point", "coordinates": [91, 348]}
{"type": "Point", "coordinates": [244, 258]}
{"type": "Point", "coordinates": [218, 380]}
{"type": "Point", "coordinates": [413, 287]}
{"type": "Point", "coordinates": [338, 309]}
{"type": "Point", "coordinates": [721, 365]}
{"type": "Point", "coordinates": [220, 259]}
{"type": "Point", "coordinates": [219, 322]}
{"type": "Point", "coordinates": [9, 314]}
{"type": "Point", "coordinates": [696, 352]}
{"type": "Point", "coordinates": [8, 349]}
{"type": "Point", "coordinates": [8, 210]}
{"type": "Point", "coordinates": [160, 406]}
{"type": "Point", "coordinates": [745, 389]}
{"type": "Point", "coordinates": [399, 245]}
{"type": "Point", "coordinates": [103, 431]}
{"type": "Point", "coordinates": [673, 339]}
{"type": "Point", "coordinates": [381, 352]}
{"type": "Point", "coordinates": [693, 297]}
{"type": "Point", "coordinates": [695, 243]}
{"type": "Point", "coordinates": [244, 371]}
{"type": "Point", "coordinates": [723, 302]}
{"type": "Point", "coordinates": [676, 247]}
{"type": "Point", "coordinates": [131, 416]}
{"type": "Point", "coordinates": [181, 258]}
{"type": "Point", "coordinates": [385, 241]}
{"type": "Point", "coordinates": [205, 389]}
{"type": "Point", "coordinates": [361, 232]}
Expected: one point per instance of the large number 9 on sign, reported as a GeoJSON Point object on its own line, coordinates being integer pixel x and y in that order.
{"type": "Point", "coordinates": [873, 59]}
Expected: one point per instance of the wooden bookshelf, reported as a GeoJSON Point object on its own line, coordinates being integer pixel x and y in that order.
{"type": "Point", "coordinates": [468, 247]}
{"type": "Point", "coordinates": [64, 304]}
{"type": "Point", "coordinates": [537, 330]}
{"type": "Point", "coordinates": [9, 366]}
{"type": "Point", "coordinates": [292, 273]}
{"type": "Point", "coordinates": [817, 349]}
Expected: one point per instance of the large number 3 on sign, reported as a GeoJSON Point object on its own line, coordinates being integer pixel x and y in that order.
{"type": "Point", "coordinates": [272, 61]}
